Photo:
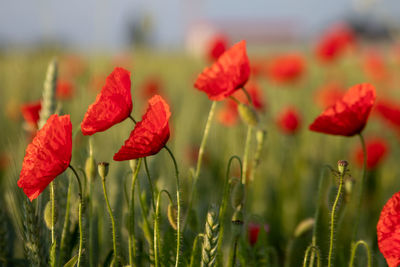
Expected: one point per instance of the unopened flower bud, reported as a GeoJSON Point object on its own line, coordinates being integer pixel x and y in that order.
{"type": "Point", "coordinates": [342, 166]}
{"type": "Point", "coordinates": [90, 169]}
{"type": "Point", "coordinates": [260, 136]}
{"type": "Point", "coordinates": [237, 195]}
{"type": "Point", "coordinates": [303, 227]}
{"type": "Point", "coordinates": [237, 221]}
{"type": "Point", "coordinates": [47, 215]}
{"type": "Point", "coordinates": [133, 164]}
{"type": "Point", "coordinates": [248, 114]}
{"type": "Point", "coordinates": [103, 169]}
{"type": "Point", "coordinates": [172, 214]}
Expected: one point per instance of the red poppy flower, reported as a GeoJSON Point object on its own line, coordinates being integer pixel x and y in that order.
{"type": "Point", "coordinates": [65, 89]}
{"type": "Point", "coordinates": [217, 46]}
{"type": "Point", "coordinates": [229, 73]}
{"type": "Point", "coordinates": [113, 104]}
{"type": "Point", "coordinates": [376, 150]}
{"type": "Point", "coordinates": [349, 115]}
{"type": "Point", "coordinates": [30, 112]}
{"type": "Point", "coordinates": [329, 94]}
{"type": "Point", "coordinates": [390, 112]}
{"type": "Point", "coordinates": [47, 156]}
{"type": "Point", "coordinates": [388, 231]}
{"type": "Point", "coordinates": [289, 121]}
{"type": "Point", "coordinates": [286, 68]}
{"type": "Point", "coordinates": [253, 230]}
{"type": "Point", "coordinates": [374, 66]}
{"type": "Point", "coordinates": [228, 115]}
{"type": "Point", "coordinates": [334, 42]}
{"type": "Point", "coordinates": [150, 134]}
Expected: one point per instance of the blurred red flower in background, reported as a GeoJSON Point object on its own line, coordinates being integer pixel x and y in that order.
{"type": "Point", "coordinates": [289, 120]}
{"type": "Point", "coordinates": [374, 66]}
{"type": "Point", "coordinates": [388, 231]}
{"type": "Point", "coordinates": [150, 134]}
{"type": "Point", "coordinates": [377, 149]}
{"type": "Point", "coordinates": [253, 230]}
{"type": "Point", "coordinates": [255, 93]}
{"type": "Point", "coordinates": [113, 104]}
{"type": "Point", "coordinates": [228, 115]}
{"type": "Point", "coordinates": [151, 86]}
{"type": "Point", "coordinates": [65, 89]}
{"type": "Point", "coordinates": [286, 68]}
{"type": "Point", "coordinates": [329, 94]}
{"type": "Point", "coordinates": [334, 42]}
{"type": "Point", "coordinates": [47, 156]}
{"type": "Point", "coordinates": [349, 115]}
{"type": "Point", "coordinates": [229, 73]}
{"type": "Point", "coordinates": [389, 112]}
{"type": "Point", "coordinates": [30, 113]}
{"type": "Point", "coordinates": [217, 46]}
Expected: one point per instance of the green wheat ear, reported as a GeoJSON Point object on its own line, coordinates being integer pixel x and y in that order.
{"type": "Point", "coordinates": [49, 93]}
{"type": "Point", "coordinates": [210, 242]}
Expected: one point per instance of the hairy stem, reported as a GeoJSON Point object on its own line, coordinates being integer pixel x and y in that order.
{"type": "Point", "coordinates": [157, 223]}
{"type": "Point", "coordinates": [132, 240]}
{"type": "Point", "coordinates": [354, 249]}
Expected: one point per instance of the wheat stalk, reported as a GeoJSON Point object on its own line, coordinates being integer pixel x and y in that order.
{"type": "Point", "coordinates": [210, 242]}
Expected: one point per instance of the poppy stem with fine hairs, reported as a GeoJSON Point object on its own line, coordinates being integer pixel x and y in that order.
{"type": "Point", "coordinates": [354, 249]}
{"type": "Point", "coordinates": [178, 200]}
{"type": "Point", "coordinates": [79, 216]}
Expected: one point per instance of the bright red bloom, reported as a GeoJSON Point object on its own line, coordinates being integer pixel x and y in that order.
{"type": "Point", "coordinates": [229, 73]}
{"type": "Point", "coordinates": [253, 230]}
{"type": "Point", "coordinates": [286, 68]}
{"type": "Point", "coordinates": [349, 115]}
{"type": "Point", "coordinates": [329, 94]}
{"type": "Point", "coordinates": [113, 104]}
{"type": "Point", "coordinates": [334, 42]}
{"type": "Point", "coordinates": [217, 46]}
{"type": "Point", "coordinates": [150, 134]}
{"type": "Point", "coordinates": [289, 121]}
{"type": "Point", "coordinates": [228, 115]}
{"type": "Point", "coordinates": [377, 149]}
{"type": "Point", "coordinates": [47, 156]}
{"type": "Point", "coordinates": [30, 112]}
{"type": "Point", "coordinates": [65, 89]}
{"type": "Point", "coordinates": [388, 231]}
{"type": "Point", "coordinates": [390, 112]}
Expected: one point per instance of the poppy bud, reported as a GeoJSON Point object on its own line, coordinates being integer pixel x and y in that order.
{"type": "Point", "coordinates": [133, 164]}
{"type": "Point", "coordinates": [253, 230]}
{"type": "Point", "coordinates": [237, 221]}
{"type": "Point", "coordinates": [237, 194]}
{"type": "Point", "coordinates": [103, 169]}
{"type": "Point", "coordinates": [90, 169]}
{"type": "Point", "coordinates": [342, 166]}
{"type": "Point", "coordinates": [172, 214]}
{"type": "Point", "coordinates": [47, 215]}
{"type": "Point", "coordinates": [303, 227]}
{"type": "Point", "coordinates": [248, 114]}
{"type": "Point", "coordinates": [260, 136]}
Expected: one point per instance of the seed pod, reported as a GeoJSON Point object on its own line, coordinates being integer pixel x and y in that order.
{"type": "Point", "coordinates": [248, 114]}
{"type": "Point", "coordinates": [342, 166]}
{"type": "Point", "coordinates": [90, 169]}
{"type": "Point", "coordinates": [172, 214]}
{"type": "Point", "coordinates": [237, 195]}
{"type": "Point", "coordinates": [303, 227]}
{"type": "Point", "coordinates": [47, 215]}
{"type": "Point", "coordinates": [103, 169]}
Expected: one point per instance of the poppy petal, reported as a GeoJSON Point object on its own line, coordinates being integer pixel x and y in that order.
{"type": "Point", "coordinates": [113, 104]}
{"type": "Point", "coordinates": [47, 156]}
{"type": "Point", "coordinates": [150, 134]}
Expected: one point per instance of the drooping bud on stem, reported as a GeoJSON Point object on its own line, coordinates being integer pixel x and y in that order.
{"type": "Point", "coordinates": [172, 214]}
{"type": "Point", "coordinates": [237, 195]}
{"type": "Point", "coordinates": [90, 169]}
{"type": "Point", "coordinates": [47, 216]}
{"type": "Point", "coordinates": [103, 169]}
{"type": "Point", "coordinates": [133, 164]}
{"type": "Point", "coordinates": [248, 114]}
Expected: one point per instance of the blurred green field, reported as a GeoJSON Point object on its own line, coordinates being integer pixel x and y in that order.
{"type": "Point", "coordinates": [285, 187]}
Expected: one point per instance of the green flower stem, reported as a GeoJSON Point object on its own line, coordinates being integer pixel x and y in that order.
{"type": "Point", "coordinates": [156, 225]}
{"type": "Point", "coordinates": [115, 256]}
{"type": "Point", "coordinates": [132, 241]}
{"type": "Point", "coordinates": [314, 249]}
{"type": "Point", "coordinates": [232, 257]}
{"type": "Point", "coordinates": [146, 227]}
{"type": "Point", "coordinates": [178, 200]}
{"type": "Point", "coordinates": [223, 207]}
{"type": "Point", "coordinates": [79, 216]}
{"type": "Point", "coordinates": [53, 209]}
{"type": "Point", "coordinates": [354, 249]}
{"type": "Point", "coordinates": [246, 154]}
{"type": "Point", "coordinates": [200, 158]}
{"type": "Point", "coordinates": [66, 224]}
{"type": "Point", "coordinates": [247, 95]}
{"type": "Point", "coordinates": [332, 224]}
{"type": "Point", "coordinates": [361, 188]}
{"type": "Point", "coordinates": [150, 184]}
{"type": "Point", "coordinates": [195, 245]}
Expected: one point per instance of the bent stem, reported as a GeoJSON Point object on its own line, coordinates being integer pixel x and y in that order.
{"type": "Point", "coordinates": [246, 154]}
{"type": "Point", "coordinates": [157, 223]}
{"type": "Point", "coordinates": [132, 247]}
{"type": "Point", "coordinates": [79, 216]}
{"type": "Point", "coordinates": [354, 249]}
{"type": "Point", "coordinates": [178, 200]}
{"type": "Point", "coordinates": [315, 250]}
{"type": "Point", "coordinates": [200, 157]}
{"type": "Point", "coordinates": [115, 256]}
{"type": "Point", "coordinates": [335, 204]}
{"type": "Point", "coordinates": [194, 249]}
